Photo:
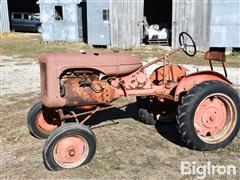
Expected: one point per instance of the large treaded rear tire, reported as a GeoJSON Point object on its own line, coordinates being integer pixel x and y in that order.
{"type": "Point", "coordinates": [188, 109]}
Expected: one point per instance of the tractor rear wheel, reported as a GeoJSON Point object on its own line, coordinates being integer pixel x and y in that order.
{"type": "Point", "coordinates": [209, 116]}
{"type": "Point", "coordinates": [70, 146]}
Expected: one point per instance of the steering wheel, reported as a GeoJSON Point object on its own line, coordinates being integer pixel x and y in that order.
{"type": "Point", "coordinates": [187, 44]}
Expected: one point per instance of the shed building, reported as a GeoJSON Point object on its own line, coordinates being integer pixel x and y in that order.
{"type": "Point", "coordinates": [120, 23]}
{"type": "Point", "coordinates": [212, 23]}
{"type": "Point", "coordinates": [61, 19]}
{"type": "Point", "coordinates": [116, 23]}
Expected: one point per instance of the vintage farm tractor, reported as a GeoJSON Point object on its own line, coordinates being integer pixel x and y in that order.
{"type": "Point", "coordinates": [76, 86]}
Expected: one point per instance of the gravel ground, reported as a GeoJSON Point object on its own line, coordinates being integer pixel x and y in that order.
{"type": "Point", "coordinates": [19, 75]}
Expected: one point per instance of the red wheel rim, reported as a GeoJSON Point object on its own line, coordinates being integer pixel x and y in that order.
{"type": "Point", "coordinates": [71, 151]}
{"type": "Point", "coordinates": [215, 118]}
{"type": "Point", "coordinates": [43, 124]}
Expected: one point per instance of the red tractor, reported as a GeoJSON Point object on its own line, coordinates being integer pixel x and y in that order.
{"type": "Point", "coordinates": [74, 86]}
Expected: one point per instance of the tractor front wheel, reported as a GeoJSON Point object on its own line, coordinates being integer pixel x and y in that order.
{"type": "Point", "coordinates": [143, 111]}
{"type": "Point", "coordinates": [70, 146]}
{"type": "Point", "coordinates": [209, 116]}
{"type": "Point", "coordinates": [41, 121]}
{"type": "Point", "coordinates": [151, 110]}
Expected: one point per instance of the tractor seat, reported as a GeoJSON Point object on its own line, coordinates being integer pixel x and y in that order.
{"type": "Point", "coordinates": [216, 56]}
{"type": "Point", "coordinates": [108, 63]}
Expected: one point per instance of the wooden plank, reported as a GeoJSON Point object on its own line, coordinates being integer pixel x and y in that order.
{"type": "Point", "coordinates": [125, 16]}
{"type": "Point", "coordinates": [193, 17]}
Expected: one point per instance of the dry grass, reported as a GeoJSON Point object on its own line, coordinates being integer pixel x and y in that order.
{"type": "Point", "coordinates": [128, 150]}
{"type": "Point", "coordinates": [31, 45]}
{"type": "Point", "coordinates": [232, 60]}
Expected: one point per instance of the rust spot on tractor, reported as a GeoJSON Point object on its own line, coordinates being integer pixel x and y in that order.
{"type": "Point", "coordinates": [95, 93]}
{"type": "Point", "coordinates": [173, 73]}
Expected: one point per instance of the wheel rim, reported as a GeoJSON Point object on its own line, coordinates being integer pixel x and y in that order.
{"type": "Point", "coordinates": [43, 125]}
{"type": "Point", "coordinates": [71, 151]}
{"type": "Point", "coordinates": [40, 29]}
{"type": "Point", "coordinates": [215, 118]}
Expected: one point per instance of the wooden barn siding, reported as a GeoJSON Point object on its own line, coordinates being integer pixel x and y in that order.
{"type": "Point", "coordinates": [194, 17]}
{"type": "Point", "coordinates": [125, 16]}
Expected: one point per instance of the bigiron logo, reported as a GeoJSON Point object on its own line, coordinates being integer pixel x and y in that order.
{"type": "Point", "coordinates": [203, 170]}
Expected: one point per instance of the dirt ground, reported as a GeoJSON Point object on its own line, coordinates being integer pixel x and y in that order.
{"type": "Point", "coordinates": [126, 150]}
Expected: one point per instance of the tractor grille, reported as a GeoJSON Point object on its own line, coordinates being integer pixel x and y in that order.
{"type": "Point", "coordinates": [43, 71]}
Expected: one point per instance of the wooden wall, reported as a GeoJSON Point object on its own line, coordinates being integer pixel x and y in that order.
{"type": "Point", "coordinates": [194, 17]}
{"type": "Point", "coordinates": [191, 16]}
{"type": "Point", "coordinates": [125, 23]}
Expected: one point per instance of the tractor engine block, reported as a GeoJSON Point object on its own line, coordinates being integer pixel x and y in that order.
{"type": "Point", "coordinates": [85, 88]}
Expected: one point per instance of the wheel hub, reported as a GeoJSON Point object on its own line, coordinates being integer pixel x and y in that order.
{"type": "Point", "coordinates": [70, 150]}
{"type": "Point", "coordinates": [43, 124]}
{"type": "Point", "coordinates": [210, 117]}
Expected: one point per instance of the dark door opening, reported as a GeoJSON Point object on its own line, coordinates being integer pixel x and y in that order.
{"type": "Point", "coordinates": [159, 13]}
{"type": "Point", "coordinates": [28, 6]}
{"type": "Point", "coordinates": [82, 20]}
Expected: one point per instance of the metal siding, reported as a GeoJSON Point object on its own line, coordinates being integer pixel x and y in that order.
{"type": "Point", "coordinates": [126, 18]}
{"type": "Point", "coordinates": [4, 17]}
{"type": "Point", "coordinates": [98, 29]}
{"type": "Point", "coordinates": [193, 17]}
{"type": "Point", "coordinates": [64, 30]}
{"type": "Point", "coordinates": [225, 23]}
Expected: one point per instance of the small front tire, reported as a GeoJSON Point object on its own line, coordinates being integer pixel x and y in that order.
{"type": "Point", "coordinates": [70, 146]}
{"type": "Point", "coordinates": [144, 115]}
{"type": "Point", "coordinates": [41, 122]}
{"type": "Point", "coordinates": [150, 110]}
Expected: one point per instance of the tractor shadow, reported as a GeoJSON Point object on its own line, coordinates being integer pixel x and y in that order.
{"type": "Point", "coordinates": [167, 130]}
{"type": "Point", "coordinates": [114, 115]}
{"type": "Point", "coordinates": [170, 132]}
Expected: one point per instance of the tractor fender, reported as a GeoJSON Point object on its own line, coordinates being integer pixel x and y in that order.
{"type": "Point", "coordinates": [189, 81]}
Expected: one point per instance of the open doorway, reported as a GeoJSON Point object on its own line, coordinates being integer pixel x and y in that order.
{"type": "Point", "coordinates": [82, 21]}
{"type": "Point", "coordinates": [29, 6]}
{"type": "Point", "coordinates": [158, 17]}
{"type": "Point", "coordinates": [26, 6]}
